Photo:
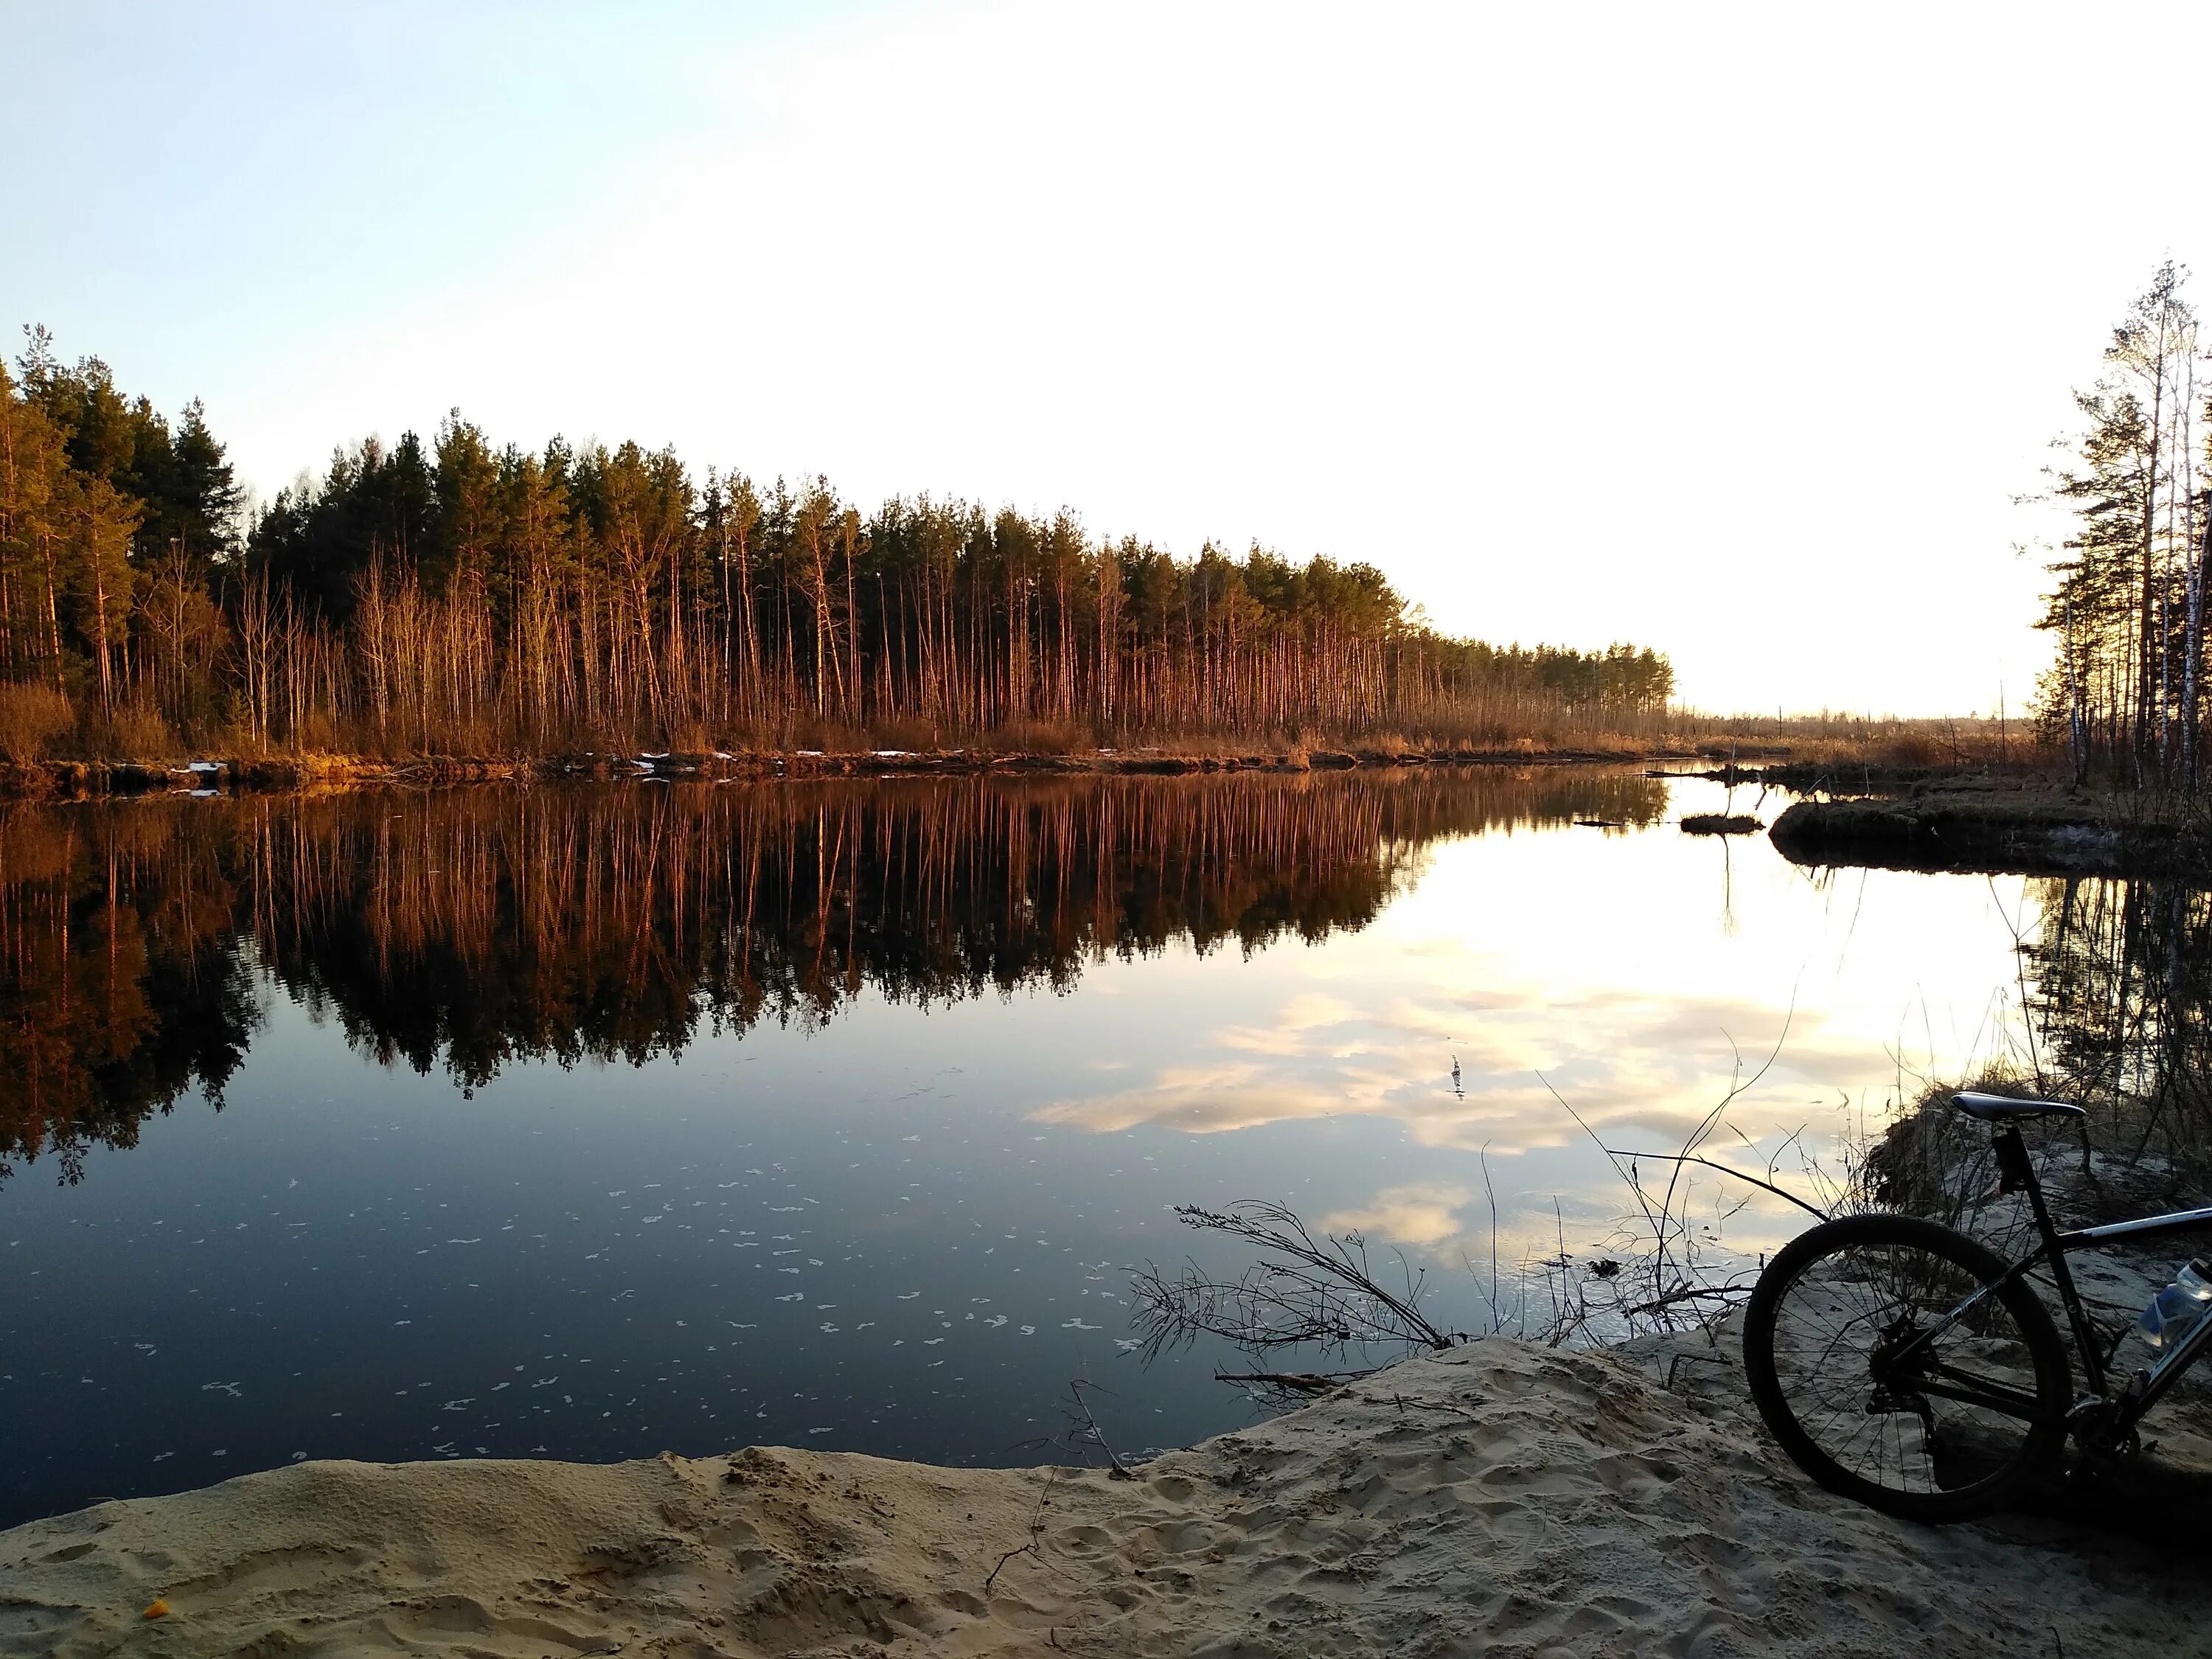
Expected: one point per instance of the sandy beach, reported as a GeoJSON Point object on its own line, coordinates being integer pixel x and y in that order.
{"type": "Point", "coordinates": [1500, 1499]}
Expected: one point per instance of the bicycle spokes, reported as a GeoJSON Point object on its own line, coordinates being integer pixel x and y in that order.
{"type": "Point", "coordinates": [1891, 1383]}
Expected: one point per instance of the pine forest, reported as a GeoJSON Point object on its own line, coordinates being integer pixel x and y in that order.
{"type": "Point", "coordinates": [462, 598]}
{"type": "Point", "coordinates": [2125, 692]}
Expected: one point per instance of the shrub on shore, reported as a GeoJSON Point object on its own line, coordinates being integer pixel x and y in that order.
{"type": "Point", "coordinates": [32, 718]}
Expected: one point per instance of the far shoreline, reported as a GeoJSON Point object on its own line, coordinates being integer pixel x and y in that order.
{"type": "Point", "coordinates": [1965, 816]}
{"type": "Point", "coordinates": [74, 780]}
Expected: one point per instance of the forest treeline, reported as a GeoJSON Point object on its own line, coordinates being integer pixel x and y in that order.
{"type": "Point", "coordinates": [2125, 692]}
{"type": "Point", "coordinates": [460, 597]}
{"type": "Point", "coordinates": [462, 930]}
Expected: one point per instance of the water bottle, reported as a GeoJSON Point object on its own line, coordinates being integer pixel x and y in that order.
{"type": "Point", "coordinates": [2175, 1310]}
{"type": "Point", "coordinates": [2172, 1314]}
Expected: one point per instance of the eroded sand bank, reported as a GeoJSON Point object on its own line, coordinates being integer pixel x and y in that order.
{"type": "Point", "coordinates": [1501, 1499]}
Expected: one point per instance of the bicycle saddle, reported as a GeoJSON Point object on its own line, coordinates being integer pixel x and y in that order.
{"type": "Point", "coordinates": [1992, 1107]}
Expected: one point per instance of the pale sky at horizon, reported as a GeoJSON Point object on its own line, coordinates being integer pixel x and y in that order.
{"type": "Point", "coordinates": [1732, 330]}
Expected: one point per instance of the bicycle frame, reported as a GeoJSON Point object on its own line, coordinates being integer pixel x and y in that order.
{"type": "Point", "coordinates": [2017, 1173]}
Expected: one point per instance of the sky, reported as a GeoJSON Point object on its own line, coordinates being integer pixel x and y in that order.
{"type": "Point", "coordinates": [1740, 331]}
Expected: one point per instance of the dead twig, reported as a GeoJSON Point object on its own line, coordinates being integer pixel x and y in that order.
{"type": "Point", "coordinates": [1689, 1293]}
{"type": "Point", "coordinates": [1295, 1382]}
{"type": "Point", "coordinates": [1037, 1533]}
{"type": "Point", "coordinates": [1813, 1209]}
{"type": "Point", "coordinates": [1119, 1470]}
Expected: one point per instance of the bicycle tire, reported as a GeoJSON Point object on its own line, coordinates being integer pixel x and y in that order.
{"type": "Point", "coordinates": [1835, 1270]}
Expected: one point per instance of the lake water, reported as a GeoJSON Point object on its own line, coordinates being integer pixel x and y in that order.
{"type": "Point", "coordinates": [589, 1123]}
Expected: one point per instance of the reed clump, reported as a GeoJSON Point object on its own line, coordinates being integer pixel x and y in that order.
{"type": "Point", "coordinates": [1886, 743]}
{"type": "Point", "coordinates": [32, 719]}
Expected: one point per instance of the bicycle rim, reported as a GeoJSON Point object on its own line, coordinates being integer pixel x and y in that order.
{"type": "Point", "coordinates": [1872, 1405]}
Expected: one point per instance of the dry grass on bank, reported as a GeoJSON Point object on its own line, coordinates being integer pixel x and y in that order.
{"type": "Point", "coordinates": [2127, 1157]}
{"type": "Point", "coordinates": [38, 724]}
{"type": "Point", "coordinates": [41, 730]}
{"type": "Point", "coordinates": [1883, 743]}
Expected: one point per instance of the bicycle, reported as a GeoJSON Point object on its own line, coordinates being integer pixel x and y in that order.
{"type": "Point", "coordinates": [1915, 1370]}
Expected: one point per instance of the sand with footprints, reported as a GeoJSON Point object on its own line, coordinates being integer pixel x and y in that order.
{"type": "Point", "coordinates": [1499, 1499]}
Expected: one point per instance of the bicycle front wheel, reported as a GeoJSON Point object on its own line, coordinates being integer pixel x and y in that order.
{"type": "Point", "coordinates": [1882, 1388]}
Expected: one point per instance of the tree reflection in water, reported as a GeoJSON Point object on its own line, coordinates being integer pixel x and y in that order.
{"type": "Point", "coordinates": [467, 927]}
{"type": "Point", "coordinates": [2120, 977]}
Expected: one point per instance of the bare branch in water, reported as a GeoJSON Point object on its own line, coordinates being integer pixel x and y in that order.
{"type": "Point", "coordinates": [1320, 1291]}
{"type": "Point", "coordinates": [1669, 1266]}
{"type": "Point", "coordinates": [1294, 1381]}
{"type": "Point", "coordinates": [1306, 1288]}
{"type": "Point", "coordinates": [1095, 1435]}
{"type": "Point", "coordinates": [1813, 1209]}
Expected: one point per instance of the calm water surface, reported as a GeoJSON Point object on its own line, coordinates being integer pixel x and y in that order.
{"type": "Point", "coordinates": [589, 1122]}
